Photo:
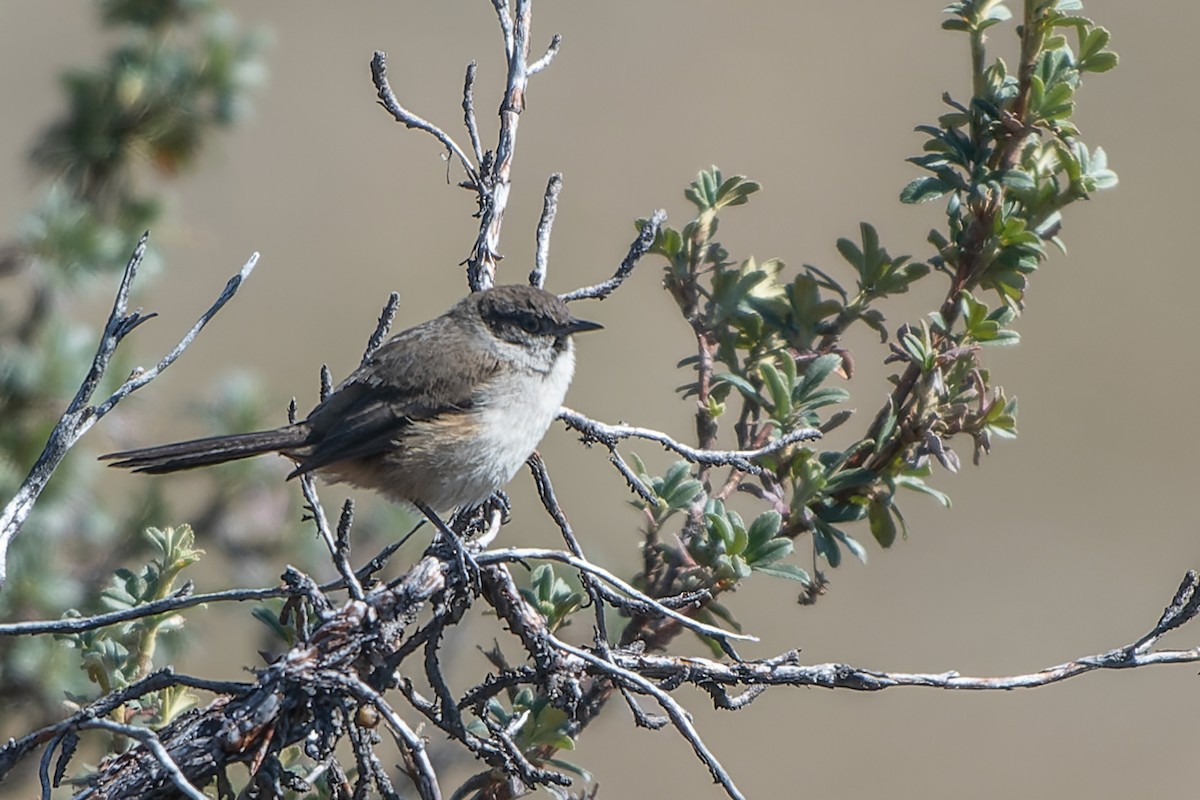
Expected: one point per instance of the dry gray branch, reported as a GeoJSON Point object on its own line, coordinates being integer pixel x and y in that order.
{"type": "Point", "coordinates": [545, 225]}
{"type": "Point", "coordinates": [521, 554]}
{"type": "Point", "coordinates": [387, 99]}
{"type": "Point", "coordinates": [609, 435]}
{"type": "Point", "coordinates": [640, 246]}
{"type": "Point", "coordinates": [80, 416]}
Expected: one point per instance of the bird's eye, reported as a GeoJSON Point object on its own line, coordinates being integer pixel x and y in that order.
{"type": "Point", "coordinates": [530, 325]}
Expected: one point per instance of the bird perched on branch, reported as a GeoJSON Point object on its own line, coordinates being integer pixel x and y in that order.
{"type": "Point", "coordinates": [440, 416]}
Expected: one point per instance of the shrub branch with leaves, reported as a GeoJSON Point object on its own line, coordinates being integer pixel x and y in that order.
{"type": "Point", "coordinates": [766, 371]}
{"type": "Point", "coordinates": [1008, 162]}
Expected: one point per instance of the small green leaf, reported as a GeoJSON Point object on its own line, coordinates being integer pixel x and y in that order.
{"type": "Point", "coordinates": [771, 552]}
{"type": "Point", "coordinates": [825, 543]}
{"type": "Point", "coordinates": [924, 189]}
{"type": "Point", "coordinates": [886, 429]}
{"type": "Point", "coordinates": [781, 393]}
{"type": "Point", "coordinates": [682, 495]}
{"type": "Point", "coordinates": [718, 525]}
{"type": "Point", "coordinates": [916, 484]}
{"type": "Point", "coordinates": [852, 254]}
{"type": "Point", "coordinates": [850, 479]}
{"type": "Point", "coordinates": [738, 382]}
{"type": "Point", "coordinates": [816, 372]}
{"type": "Point", "coordinates": [789, 571]}
{"type": "Point", "coordinates": [883, 526]}
{"type": "Point", "coordinates": [764, 528]}
{"type": "Point", "coordinates": [852, 544]}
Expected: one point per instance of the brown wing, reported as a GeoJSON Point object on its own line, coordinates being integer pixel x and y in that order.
{"type": "Point", "coordinates": [418, 374]}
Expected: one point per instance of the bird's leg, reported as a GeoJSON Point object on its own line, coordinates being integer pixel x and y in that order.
{"type": "Point", "coordinates": [467, 568]}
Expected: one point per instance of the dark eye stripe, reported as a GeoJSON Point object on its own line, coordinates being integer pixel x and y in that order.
{"type": "Point", "coordinates": [530, 323]}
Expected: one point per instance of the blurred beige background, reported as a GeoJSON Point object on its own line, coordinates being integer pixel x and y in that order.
{"type": "Point", "coordinates": [1066, 542]}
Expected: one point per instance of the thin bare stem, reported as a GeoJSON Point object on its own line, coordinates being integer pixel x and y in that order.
{"type": "Point", "coordinates": [545, 225]}
{"type": "Point", "coordinates": [680, 718]}
{"type": "Point", "coordinates": [152, 743]}
{"type": "Point", "coordinates": [845, 676]}
{"type": "Point", "coordinates": [79, 416]}
{"type": "Point", "coordinates": [609, 435]}
{"type": "Point", "coordinates": [520, 554]}
{"type": "Point", "coordinates": [387, 99]}
{"type": "Point", "coordinates": [338, 549]}
{"type": "Point", "coordinates": [643, 242]}
{"type": "Point", "coordinates": [545, 490]}
{"type": "Point", "coordinates": [547, 57]}
{"type": "Point", "coordinates": [504, 14]}
{"type": "Point", "coordinates": [386, 318]}
{"type": "Point", "coordinates": [186, 599]}
{"type": "Point", "coordinates": [426, 778]}
{"type": "Point", "coordinates": [468, 107]}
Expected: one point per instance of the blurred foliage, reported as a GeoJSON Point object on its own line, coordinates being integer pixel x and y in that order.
{"type": "Point", "coordinates": [178, 72]}
{"type": "Point", "coordinates": [119, 655]}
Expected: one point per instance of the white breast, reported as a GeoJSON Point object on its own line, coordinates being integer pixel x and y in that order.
{"type": "Point", "coordinates": [515, 422]}
{"type": "Point", "coordinates": [451, 463]}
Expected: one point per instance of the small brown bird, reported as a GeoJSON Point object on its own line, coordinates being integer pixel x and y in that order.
{"type": "Point", "coordinates": [440, 416]}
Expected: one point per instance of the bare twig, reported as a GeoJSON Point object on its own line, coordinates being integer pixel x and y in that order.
{"type": "Point", "coordinates": [631, 478]}
{"type": "Point", "coordinates": [296, 698]}
{"type": "Point", "coordinates": [520, 554]}
{"type": "Point", "coordinates": [142, 377]}
{"type": "Point", "coordinates": [639, 247]}
{"type": "Point", "coordinates": [523, 770]}
{"type": "Point", "coordinates": [326, 389]}
{"type": "Point", "coordinates": [1184, 607]}
{"type": "Point", "coordinates": [506, 25]}
{"type": "Point", "coordinates": [186, 599]}
{"type": "Point", "coordinates": [177, 601]}
{"type": "Point", "coordinates": [485, 255]}
{"type": "Point", "coordinates": [16, 749]}
{"type": "Point", "coordinates": [680, 718]}
{"type": "Point", "coordinates": [609, 435]}
{"type": "Point", "coordinates": [386, 318]}
{"type": "Point", "coordinates": [338, 545]}
{"type": "Point", "coordinates": [547, 57]}
{"type": "Point", "coordinates": [545, 490]}
{"type": "Point", "coordinates": [79, 416]}
{"type": "Point", "coordinates": [545, 225]}
{"type": "Point", "coordinates": [786, 672]}
{"type": "Point", "coordinates": [468, 107]}
{"type": "Point", "coordinates": [387, 99]}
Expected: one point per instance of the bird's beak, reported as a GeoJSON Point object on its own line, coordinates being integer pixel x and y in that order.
{"type": "Point", "coordinates": [579, 326]}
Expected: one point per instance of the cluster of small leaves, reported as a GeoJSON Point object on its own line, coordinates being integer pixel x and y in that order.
{"type": "Point", "coordinates": [114, 657]}
{"type": "Point", "coordinates": [672, 492]}
{"type": "Point", "coordinates": [769, 346]}
{"type": "Point", "coordinates": [181, 71]}
{"type": "Point", "coordinates": [732, 551]}
{"type": "Point", "coordinates": [553, 597]}
{"type": "Point", "coordinates": [1014, 152]}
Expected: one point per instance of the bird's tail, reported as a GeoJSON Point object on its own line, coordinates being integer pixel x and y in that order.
{"type": "Point", "coordinates": [212, 450]}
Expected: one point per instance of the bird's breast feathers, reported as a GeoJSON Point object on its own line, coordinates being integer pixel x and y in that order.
{"type": "Point", "coordinates": [458, 459]}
